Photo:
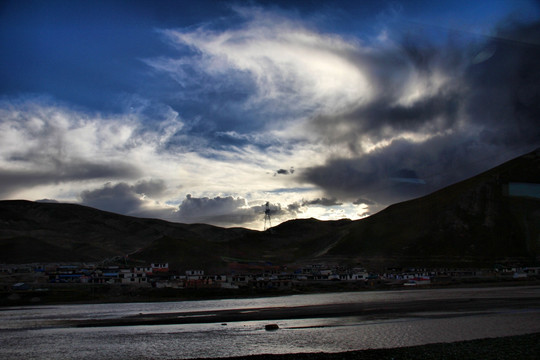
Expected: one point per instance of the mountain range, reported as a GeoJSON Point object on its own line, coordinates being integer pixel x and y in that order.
{"type": "Point", "coordinates": [493, 217]}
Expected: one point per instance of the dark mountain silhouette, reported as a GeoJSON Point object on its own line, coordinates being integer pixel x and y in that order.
{"type": "Point", "coordinates": [492, 217]}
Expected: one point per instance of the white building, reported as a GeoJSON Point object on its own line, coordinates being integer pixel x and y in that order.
{"type": "Point", "coordinates": [133, 276]}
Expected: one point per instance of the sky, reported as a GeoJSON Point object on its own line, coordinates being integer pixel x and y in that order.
{"type": "Point", "coordinates": [204, 111]}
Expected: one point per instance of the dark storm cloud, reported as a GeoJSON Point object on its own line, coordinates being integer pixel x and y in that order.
{"type": "Point", "coordinates": [225, 211]}
{"type": "Point", "coordinates": [61, 172]}
{"type": "Point", "coordinates": [126, 199]}
{"type": "Point", "coordinates": [84, 170]}
{"type": "Point", "coordinates": [127, 90]}
{"type": "Point", "coordinates": [136, 200]}
{"type": "Point", "coordinates": [323, 202]}
{"type": "Point", "coordinates": [361, 201]}
{"type": "Point", "coordinates": [119, 198]}
{"type": "Point", "coordinates": [275, 209]}
{"type": "Point", "coordinates": [380, 119]}
{"type": "Point", "coordinates": [487, 112]}
{"type": "Point", "coordinates": [300, 206]}
{"type": "Point", "coordinates": [495, 87]}
{"type": "Point", "coordinates": [294, 208]}
{"type": "Point", "coordinates": [218, 210]}
{"type": "Point", "coordinates": [45, 143]}
{"type": "Point", "coordinates": [284, 171]}
{"type": "Point", "coordinates": [406, 95]}
{"type": "Point", "coordinates": [149, 188]}
{"type": "Point", "coordinates": [379, 177]}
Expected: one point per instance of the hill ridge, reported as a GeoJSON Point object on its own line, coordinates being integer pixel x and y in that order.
{"type": "Point", "coordinates": [476, 221]}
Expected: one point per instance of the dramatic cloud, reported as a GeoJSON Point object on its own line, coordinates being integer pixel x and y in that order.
{"type": "Point", "coordinates": [13, 181]}
{"type": "Point", "coordinates": [323, 202]}
{"type": "Point", "coordinates": [417, 93]}
{"type": "Point", "coordinates": [361, 201]}
{"type": "Point", "coordinates": [47, 144]}
{"type": "Point", "coordinates": [126, 199]}
{"type": "Point", "coordinates": [227, 211]}
{"type": "Point", "coordinates": [285, 172]}
{"type": "Point", "coordinates": [270, 66]}
{"type": "Point", "coordinates": [214, 210]}
{"type": "Point", "coordinates": [206, 113]}
{"type": "Point", "coordinates": [462, 117]}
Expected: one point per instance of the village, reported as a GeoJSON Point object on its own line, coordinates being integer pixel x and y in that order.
{"type": "Point", "coordinates": [159, 275]}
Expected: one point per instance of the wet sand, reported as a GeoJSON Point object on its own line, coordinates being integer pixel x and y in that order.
{"type": "Point", "coordinates": [444, 305]}
{"type": "Point", "coordinates": [373, 309]}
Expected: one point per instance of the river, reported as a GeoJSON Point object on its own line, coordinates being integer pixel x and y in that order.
{"type": "Point", "coordinates": [381, 319]}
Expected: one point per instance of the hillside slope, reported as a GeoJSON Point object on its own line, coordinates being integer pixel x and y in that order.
{"type": "Point", "coordinates": [42, 232]}
{"type": "Point", "coordinates": [479, 220]}
{"type": "Point", "coordinates": [489, 218]}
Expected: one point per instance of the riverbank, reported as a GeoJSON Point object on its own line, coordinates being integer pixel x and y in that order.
{"type": "Point", "coordinates": [55, 294]}
{"type": "Point", "coordinates": [333, 322]}
{"type": "Point", "coordinates": [379, 307]}
{"type": "Point", "coordinates": [522, 347]}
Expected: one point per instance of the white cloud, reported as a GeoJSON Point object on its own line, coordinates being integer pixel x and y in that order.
{"type": "Point", "coordinates": [52, 151]}
{"type": "Point", "coordinates": [270, 93]}
{"type": "Point", "coordinates": [291, 65]}
{"type": "Point", "coordinates": [302, 74]}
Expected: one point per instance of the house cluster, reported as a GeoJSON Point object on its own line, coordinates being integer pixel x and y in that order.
{"type": "Point", "coordinates": [423, 276]}
{"type": "Point", "coordinates": [160, 275]}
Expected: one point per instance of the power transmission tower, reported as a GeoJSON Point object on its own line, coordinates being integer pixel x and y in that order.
{"type": "Point", "coordinates": [267, 220]}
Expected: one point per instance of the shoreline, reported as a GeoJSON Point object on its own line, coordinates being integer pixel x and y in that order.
{"type": "Point", "coordinates": [372, 309]}
{"type": "Point", "coordinates": [440, 305]}
{"type": "Point", "coordinates": [100, 294]}
{"type": "Point", "coordinates": [523, 347]}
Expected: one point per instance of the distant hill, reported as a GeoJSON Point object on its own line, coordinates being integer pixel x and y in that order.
{"type": "Point", "coordinates": [492, 217]}
{"type": "Point", "coordinates": [50, 232]}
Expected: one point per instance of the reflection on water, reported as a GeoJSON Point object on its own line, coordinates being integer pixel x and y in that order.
{"type": "Point", "coordinates": [27, 332]}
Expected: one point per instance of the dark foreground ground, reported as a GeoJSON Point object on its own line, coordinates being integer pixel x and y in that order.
{"type": "Point", "coordinates": [512, 347]}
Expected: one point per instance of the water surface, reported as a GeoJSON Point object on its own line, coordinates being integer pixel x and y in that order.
{"type": "Point", "coordinates": [40, 332]}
